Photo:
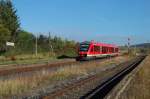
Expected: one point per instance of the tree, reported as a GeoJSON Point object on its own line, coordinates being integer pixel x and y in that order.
{"type": "Point", "coordinates": [25, 42]}
{"type": "Point", "coordinates": [43, 43]}
{"type": "Point", "coordinates": [8, 17]}
{"type": "Point", "coordinates": [4, 36]}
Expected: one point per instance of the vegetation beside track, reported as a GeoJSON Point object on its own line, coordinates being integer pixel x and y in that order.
{"type": "Point", "coordinates": [19, 85]}
{"type": "Point", "coordinates": [26, 59]}
{"type": "Point", "coordinates": [27, 44]}
{"type": "Point", "coordinates": [139, 87]}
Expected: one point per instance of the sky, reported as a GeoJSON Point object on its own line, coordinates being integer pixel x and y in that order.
{"type": "Point", "coordinates": [109, 21]}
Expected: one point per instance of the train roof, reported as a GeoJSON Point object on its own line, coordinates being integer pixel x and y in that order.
{"type": "Point", "coordinates": [99, 43]}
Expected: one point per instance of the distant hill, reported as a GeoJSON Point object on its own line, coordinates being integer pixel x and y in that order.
{"type": "Point", "coordinates": [143, 45]}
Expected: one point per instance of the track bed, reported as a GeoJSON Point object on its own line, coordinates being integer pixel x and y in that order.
{"type": "Point", "coordinates": [95, 86]}
{"type": "Point", "coordinates": [47, 81]}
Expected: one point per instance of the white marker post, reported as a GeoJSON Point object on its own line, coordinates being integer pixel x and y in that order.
{"type": "Point", "coordinates": [10, 44]}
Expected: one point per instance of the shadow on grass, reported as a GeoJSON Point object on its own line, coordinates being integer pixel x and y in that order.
{"type": "Point", "coordinates": [66, 57]}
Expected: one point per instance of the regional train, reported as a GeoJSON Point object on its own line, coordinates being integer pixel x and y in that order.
{"type": "Point", "coordinates": [91, 50]}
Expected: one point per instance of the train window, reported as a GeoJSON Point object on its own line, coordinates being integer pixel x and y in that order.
{"type": "Point", "coordinates": [104, 49]}
{"type": "Point", "coordinates": [84, 47]}
{"type": "Point", "coordinates": [107, 49]}
{"type": "Point", "coordinates": [112, 50]}
{"type": "Point", "coordinates": [96, 48]}
{"type": "Point", "coordinates": [100, 48]}
{"type": "Point", "coordinates": [116, 49]}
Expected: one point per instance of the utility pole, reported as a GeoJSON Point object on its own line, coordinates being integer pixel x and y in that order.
{"type": "Point", "coordinates": [128, 45]}
{"type": "Point", "coordinates": [50, 44]}
{"type": "Point", "coordinates": [135, 49]}
{"type": "Point", "coordinates": [36, 45]}
{"type": "Point", "coordinates": [148, 47]}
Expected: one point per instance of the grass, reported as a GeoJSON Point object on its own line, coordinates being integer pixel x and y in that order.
{"type": "Point", "coordinates": [139, 88]}
{"type": "Point", "coordinates": [23, 84]}
{"type": "Point", "coordinates": [26, 59]}
{"type": "Point", "coordinates": [19, 85]}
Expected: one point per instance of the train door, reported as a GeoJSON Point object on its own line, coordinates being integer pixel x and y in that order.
{"type": "Point", "coordinates": [100, 49]}
{"type": "Point", "coordinates": [91, 50]}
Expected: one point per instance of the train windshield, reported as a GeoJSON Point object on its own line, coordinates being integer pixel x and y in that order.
{"type": "Point", "coordinates": [84, 47]}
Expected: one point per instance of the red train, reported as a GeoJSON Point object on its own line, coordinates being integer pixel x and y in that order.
{"type": "Point", "coordinates": [92, 50]}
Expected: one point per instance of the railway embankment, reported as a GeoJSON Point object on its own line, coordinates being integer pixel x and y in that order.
{"type": "Point", "coordinates": [46, 81]}
{"type": "Point", "coordinates": [134, 86]}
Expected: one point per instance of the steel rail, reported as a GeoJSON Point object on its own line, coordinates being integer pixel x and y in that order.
{"type": "Point", "coordinates": [36, 67]}
{"type": "Point", "coordinates": [103, 89]}
{"type": "Point", "coordinates": [81, 82]}
{"type": "Point", "coordinates": [21, 69]}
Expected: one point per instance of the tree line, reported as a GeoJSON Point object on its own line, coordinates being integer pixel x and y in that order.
{"type": "Point", "coordinates": [25, 42]}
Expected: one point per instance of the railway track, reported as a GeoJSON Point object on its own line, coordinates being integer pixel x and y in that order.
{"type": "Point", "coordinates": [101, 90]}
{"type": "Point", "coordinates": [36, 67]}
{"type": "Point", "coordinates": [32, 67]}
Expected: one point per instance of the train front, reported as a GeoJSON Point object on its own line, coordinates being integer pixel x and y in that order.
{"type": "Point", "coordinates": [83, 51]}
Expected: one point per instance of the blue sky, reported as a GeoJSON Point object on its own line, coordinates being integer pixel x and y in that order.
{"type": "Point", "coordinates": [109, 21]}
